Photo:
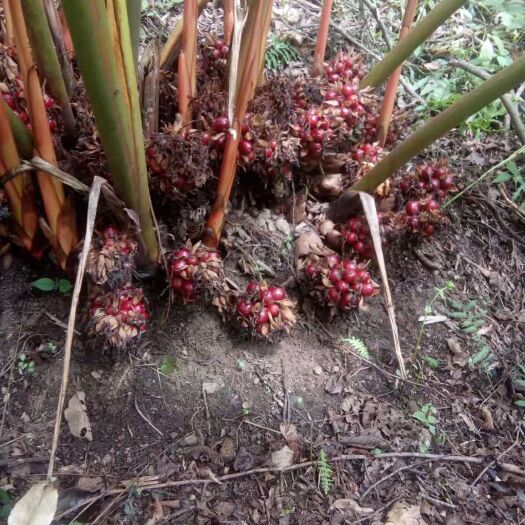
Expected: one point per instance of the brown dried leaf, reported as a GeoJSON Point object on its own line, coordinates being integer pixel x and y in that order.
{"type": "Point", "coordinates": [76, 417]}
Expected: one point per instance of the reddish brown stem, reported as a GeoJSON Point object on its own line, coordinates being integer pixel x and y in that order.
{"type": "Point", "coordinates": [188, 60]}
{"type": "Point", "coordinates": [184, 89]}
{"type": "Point", "coordinates": [322, 38]}
{"type": "Point", "coordinates": [393, 82]}
{"type": "Point", "coordinates": [228, 21]}
{"type": "Point", "coordinates": [247, 80]}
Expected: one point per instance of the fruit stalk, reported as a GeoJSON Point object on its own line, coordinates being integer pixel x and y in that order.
{"type": "Point", "coordinates": [470, 103]}
{"type": "Point", "coordinates": [387, 107]}
{"type": "Point", "coordinates": [322, 38]}
{"type": "Point", "coordinates": [417, 36]}
{"type": "Point", "coordinates": [23, 139]}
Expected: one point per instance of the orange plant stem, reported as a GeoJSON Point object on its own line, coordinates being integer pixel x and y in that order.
{"type": "Point", "coordinates": [228, 20]}
{"type": "Point", "coordinates": [322, 38]}
{"type": "Point", "coordinates": [249, 68]}
{"type": "Point", "coordinates": [387, 107]}
{"type": "Point", "coordinates": [60, 216]}
{"type": "Point", "coordinates": [19, 190]}
{"type": "Point", "coordinates": [187, 67]}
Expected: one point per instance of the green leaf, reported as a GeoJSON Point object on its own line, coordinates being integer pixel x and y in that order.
{"type": "Point", "coordinates": [431, 362]}
{"type": "Point", "coordinates": [45, 284]}
{"type": "Point", "coordinates": [486, 53]}
{"type": "Point", "coordinates": [64, 286]}
{"type": "Point", "coordinates": [520, 402]}
{"type": "Point", "coordinates": [480, 356]}
{"type": "Point", "coordinates": [502, 177]}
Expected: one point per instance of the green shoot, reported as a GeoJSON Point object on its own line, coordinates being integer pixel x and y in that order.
{"type": "Point", "coordinates": [325, 472]}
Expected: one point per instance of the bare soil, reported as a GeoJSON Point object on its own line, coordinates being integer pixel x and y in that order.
{"type": "Point", "coordinates": [196, 400]}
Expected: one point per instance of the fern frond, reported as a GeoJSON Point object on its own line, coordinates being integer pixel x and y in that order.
{"type": "Point", "coordinates": [325, 472]}
{"type": "Point", "coordinates": [359, 346]}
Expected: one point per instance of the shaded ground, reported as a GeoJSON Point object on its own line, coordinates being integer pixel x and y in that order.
{"type": "Point", "coordinates": [195, 398]}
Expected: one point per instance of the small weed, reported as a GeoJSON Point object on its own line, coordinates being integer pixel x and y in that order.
{"type": "Point", "coordinates": [432, 362]}
{"type": "Point", "coordinates": [46, 284]}
{"type": "Point", "coordinates": [279, 54]}
{"type": "Point", "coordinates": [518, 380]}
{"type": "Point", "coordinates": [25, 366]}
{"type": "Point", "coordinates": [325, 472]}
{"type": "Point", "coordinates": [471, 318]}
{"type": "Point", "coordinates": [426, 415]}
{"type": "Point", "coordinates": [359, 346]}
{"type": "Point", "coordinates": [168, 365]}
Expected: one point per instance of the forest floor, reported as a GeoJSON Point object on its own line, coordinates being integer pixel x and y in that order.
{"type": "Point", "coordinates": [200, 424]}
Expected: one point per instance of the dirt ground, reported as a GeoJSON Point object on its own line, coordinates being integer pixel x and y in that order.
{"type": "Point", "coordinates": [197, 401]}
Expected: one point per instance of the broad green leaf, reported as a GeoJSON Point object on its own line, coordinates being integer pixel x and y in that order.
{"type": "Point", "coordinates": [64, 286]}
{"type": "Point", "coordinates": [486, 53]}
{"type": "Point", "coordinates": [45, 284]}
{"type": "Point", "coordinates": [431, 362]}
{"type": "Point", "coordinates": [480, 356]}
{"type": "Point", "coordinates": [520, 402]}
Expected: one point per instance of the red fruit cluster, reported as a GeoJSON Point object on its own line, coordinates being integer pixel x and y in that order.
{"type": "Point", "coordinates": [194, 271]}
{"type": "Point", "coordinates": [343, 68]}
{"type": "Point", "coordinates": [220, 50]}
{"type": "Point", "coordinates": [112, 258]}
{"type": "Point", "coordinates": [265, 309]}
{"type": "Point", "coordinates": [119, 316]}
{"type": "Point", "coordinates": [356, 235]}
{"type": "Point", "coordinates": [422, 192]}
{"type": "Point", "coordinates": [366, 152]}
{"type": "Point", "coordinates": [340, 283]}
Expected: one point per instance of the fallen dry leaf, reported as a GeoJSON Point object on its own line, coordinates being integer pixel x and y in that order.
{"type": "Point", "coordinates": [402, 513]}
{"type": "Point", "coordinates": [350, 504]}
{"type": "Point", "coordinates": [37, 506]}
{"type": "Point", "coordinates": [76, 417]}
{"type": "Point", "coordinates": [282, 458]}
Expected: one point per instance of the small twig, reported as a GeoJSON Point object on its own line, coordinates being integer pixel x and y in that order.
{"type": "Point", "coordinates": [141, 414]}
{"type": "Point", "coordinates": [510, 202]}
{"type": "Point", "coordinates": [23, 461]}
{"type": "Point", "coordinates": [391, 475]}
{"type": "Point", "coordinates": [375, 14]}
{"type": "Point", "coordinates": [440, 502]}
{"type": "Point", "coordinates": [59, 323]}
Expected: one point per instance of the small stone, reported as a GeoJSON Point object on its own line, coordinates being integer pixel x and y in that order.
{"type": "Point", "coordinates": [318, 370]}
{"type": "Point", "coordinates": [228, 450]}
{"type": "Point", "coordinates": [335, 369]}
{"type": "Point", "coordinates": [283, 226]}
{"type": "Point", "coordinates": [106, 460]}
{"type": "Point", "coordinates": [211, 387]}
{"type": "Point", "coordinates": [184, 352]}
{"type": "Point", "coordinates": [96, 374]}
{"type": "Point", "coordinates": [256, 381]}
{"type": "Point", "coordinates": [299, 402]}
{"type": "Point", "coordinates": [191, 440]}
{"type": "Point", "coordinates": [241, 364]}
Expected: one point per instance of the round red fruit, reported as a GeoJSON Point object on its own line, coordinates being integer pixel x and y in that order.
{"type": "Point", "coordinates": [266, 296]}
{"type": "Point", "coordinates": [278, 293]}
{"type": "Point", "coordinates": [432, 205]}
{"type": "Point", "coordinates": [245, 147]}
{"type": "Point", "coordinates": [342, 286]}
{"type": "Point", "coordinates": [446, 183]}
{"type": "Point", "coordinates": [348, 91]}
{"type": "Point", "coordinates": [274, 310]}
{"type": "Point", "coordinates": [359, 247]}
{"type": "Point", "coordinates": [334, 77]}
{"type": "Point", "coordinates": [244, 308]}
{"type": "Point", "coordinates": [367, 289]}
{"type": "Point", "coordinates": [179, 265]}
{"type": "Point", "coordinates": [412, 207]}
{"type": "Point", "coordinates": [192, 260]}
{"type": "Point", "coordinates": [315, 150]}
{"type": "Point", "coordinates": [187, 287]}
{"type": "Point", "coordinates": [335, 275]}
{"type": "Point", "coordinates": [311, 271]}
{"type": "Point", "coordinates": [428, 230]}
{"type": "Point", "coordinates": [354, 223]}
{"type": "Point", "coordinates": [181, 253]}
{"type": "Point", "coordinates": [345, 301]}
{"type": "Point", "coordinates": [333, 295]}
{"type": "Point", "coordinates": [441, 171]}
{"type": "Point", "coordinates": [404, 185]}
{"type": "Point", "coordinates": [348, 265]}
{"type": "Point", "coordinates": [340, 67]}
{"type": "Point", "coordinates": [313, 120]}
{"type": "Point", "coordinates": [10, 100]}
{"type": "Point", "coordinates": [176, 283]}
{"type": "Point", "coordinates": [268, 153]}
{"type": "Point", "coordinates": [348, 63]}
{"type": "Point", "coordinates": [330, 95]}
{"type": "Point", "coordinates": [221, 124]}
{"type": "Point", "coordinates": [351, 237]}
{"type": "Point", "coordinates": [358, 154]}
{"type": "Point", "coordinates": [350, 276]}
{"type": "Point", "coordinates": [262, 318]}
{"type": "Point", "coordinates": [253, 287]}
